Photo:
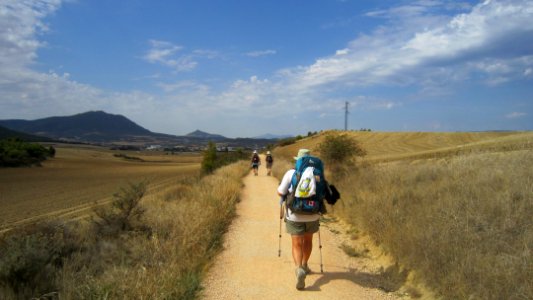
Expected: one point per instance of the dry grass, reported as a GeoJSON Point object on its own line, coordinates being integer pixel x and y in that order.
{"type": "Point", "coordinates": [186, 232]}
{"type": "Point", "coordinates": [69, 185]}
{"type": "Point", "coordinates": [181, 229]}
{"type": "Point", "coordinates": [463, 224]}
{"type": "Point", "coordinates": [455, 209]}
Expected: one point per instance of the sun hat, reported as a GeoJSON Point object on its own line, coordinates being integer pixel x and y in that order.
{"type": "Point", "coordinates": [255, 151]}
{"type": "Point", "coordinates": [302, 153]}
{"type": "Point", "coordinates": [268, 152]}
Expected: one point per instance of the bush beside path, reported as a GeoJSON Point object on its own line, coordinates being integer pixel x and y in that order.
{"type": "Point", "coordinates": [249, 266]}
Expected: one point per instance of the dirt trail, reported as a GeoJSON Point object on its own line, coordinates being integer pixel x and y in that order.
{"type": "Point", "coordinates": [249, 266]}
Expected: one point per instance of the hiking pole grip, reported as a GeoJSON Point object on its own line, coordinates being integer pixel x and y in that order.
{"type": "Point", "coordinates": [281, 207]}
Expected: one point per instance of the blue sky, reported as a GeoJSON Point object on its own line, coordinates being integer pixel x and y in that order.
{"type": "Point", "coordinates": [247, 68]}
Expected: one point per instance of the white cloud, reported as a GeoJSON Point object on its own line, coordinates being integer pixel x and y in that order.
{"type": "Point", "coordinates": [20, 23]}
{"type": "Point", "coordinates": [368, 103]}
{"type": "Point", "coordinates": [209, 54]}
{"type": "Point", "coordinates": [161, 51]}
{"type": "Point", "coordinates": [165, 53]}
{"type": "Point", "coordinates": [342, 52]}
{"type": "Point", "coordinates": [261, 53]}
{"type": "Point", "coordinates": [170, 55]}
{"type": "Point", "coordinates": [515, 115]}
{"type": "Point", "coordinates": [181, 86]}
{"type": "Point", "coordinates": [408, 53]}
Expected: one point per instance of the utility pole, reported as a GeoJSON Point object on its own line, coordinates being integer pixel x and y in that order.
{"type": "Point", "coordinates": [346, 117]}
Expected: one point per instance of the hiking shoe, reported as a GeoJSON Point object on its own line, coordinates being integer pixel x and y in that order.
{"type": "Point", "coordinates": [306, 269]}
{"type": "Point", "coordinates": [300, 278]}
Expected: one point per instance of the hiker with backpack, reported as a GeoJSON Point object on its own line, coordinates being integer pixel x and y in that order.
{"type": "Point", "coordinates": [270, 160]}
{"type": "Point", "coordinates": [256, 161]}
{"type": "Point", "coordinates": [302, 190]}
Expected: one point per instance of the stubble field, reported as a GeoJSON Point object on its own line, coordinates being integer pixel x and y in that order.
{"type": "Point", "coordinates": [82, 177]}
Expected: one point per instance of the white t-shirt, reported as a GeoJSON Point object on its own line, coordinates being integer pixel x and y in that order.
{"type": "Point", "coordinates": [284, 188]}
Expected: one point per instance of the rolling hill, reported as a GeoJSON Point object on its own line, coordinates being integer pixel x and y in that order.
{"type": "Point", "coordinates": [104, 128]}
{"type": "Point", "coordinates": [89, 126]}
{"type": "Point", "coordinates": [391, 146]}
{"type": "Point", "coordinates": [205, 135]}
{"type": "Point", "coordinates": [6, 133]}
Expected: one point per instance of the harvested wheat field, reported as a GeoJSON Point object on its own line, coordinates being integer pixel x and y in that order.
{"type": "Point", "coordinates": [81, 177]}
{"type": "Point", "coordinates": [390, 146]}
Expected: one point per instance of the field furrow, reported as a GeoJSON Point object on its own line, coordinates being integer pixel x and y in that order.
{"type": "Point", "coordinates": [80, 179]}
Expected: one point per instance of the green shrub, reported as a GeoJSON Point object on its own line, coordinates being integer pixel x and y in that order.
{"type": "Point", "coordinates": [338, 149]}
{"type": "Point", "coordinates": [125, 213]}
{"type": "Point", "coordinates": [213, 160]}
{"type": "Point", "coordinates": [127, 157]}
{"type": "Point", "coordinates": [209, 160]}
{"type": "Point", "coordinates": [339, 152]}
{"type": "Point", "coordinates": [31, 259]}
{"type": "Point", "coordinates": [51, 151]}
{"type": "Point", "coordinates": [16, 152]}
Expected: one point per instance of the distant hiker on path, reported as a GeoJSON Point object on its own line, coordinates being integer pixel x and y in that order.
{"type": "Point", "coordinates": [270, 160]}
{"type": "Point", "coordinates": [256, 161]}
{"type": "Point", "coordinates": [302, 212]}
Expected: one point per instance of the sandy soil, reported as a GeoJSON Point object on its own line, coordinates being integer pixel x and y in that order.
{"type": "Point", "coordinates": [249, 266]}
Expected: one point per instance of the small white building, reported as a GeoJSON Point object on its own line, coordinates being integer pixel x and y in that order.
{"type": "Point", "coordinates": [154, 147]}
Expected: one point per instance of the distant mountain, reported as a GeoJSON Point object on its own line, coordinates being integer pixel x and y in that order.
{"type": "Point", "coordinates": [89, 126]}
{"type": "Point", "coordinates": [205, 135]}
{"type": "Point", "coordinates": [6, 133]}
{"type": "Point", "coordinates": [269, 136]}
{"type": "Point", "coordinates": [102, 128]}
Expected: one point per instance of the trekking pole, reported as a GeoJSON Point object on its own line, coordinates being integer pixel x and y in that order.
{"type": "Point", "coordinates": [320, 248]}
{"type": "Point", "coordinates": [281, 214]}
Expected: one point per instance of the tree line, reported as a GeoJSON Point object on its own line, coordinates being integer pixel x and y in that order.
{"type": "Point", "coordinates": [15, 152]}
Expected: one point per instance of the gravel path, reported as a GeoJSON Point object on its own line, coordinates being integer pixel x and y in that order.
{"type": "Point", "coordinates": [249, 266]}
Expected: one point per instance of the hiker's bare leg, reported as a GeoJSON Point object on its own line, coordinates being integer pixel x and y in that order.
{"type": "Point", "coordinates": [307, 247]}
{"type": "Point", "coordinates": [297, 247]}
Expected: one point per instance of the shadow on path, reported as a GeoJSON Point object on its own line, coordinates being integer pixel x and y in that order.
{"type": "Point", "coordinates": [388, 280]}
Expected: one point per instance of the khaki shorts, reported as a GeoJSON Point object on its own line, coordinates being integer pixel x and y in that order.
{"type": "Point", "coordinates": [299, 228]}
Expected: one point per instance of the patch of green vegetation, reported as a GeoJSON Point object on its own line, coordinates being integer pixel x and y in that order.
{"type": "Point", "coordinates": [127, 157]}
{"type": "Point", "coordinates": [213, 160]}
{"type": "Point", "coordinates": [18, 153]}
{"type": "Point", "coordinates": [338, 149]}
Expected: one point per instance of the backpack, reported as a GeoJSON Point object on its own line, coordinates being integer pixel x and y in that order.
{"type": "Point", "coordinates": [269, 158]}
{"type": "Point", "coordinates": [308, 187]}
{"type": "Point", "coordinates": [255, 159]}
